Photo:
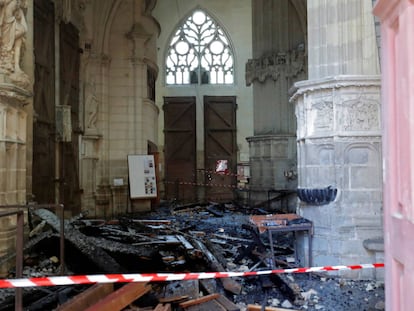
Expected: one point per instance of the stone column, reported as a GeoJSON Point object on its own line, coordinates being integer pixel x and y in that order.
{"type": "Point", "coordinates": [279, 51]}
{"type": "Point", "coordinates": [341, 38]}
{"type": "Point", "coordinates": [339, 133]}
{"type": "Point", "coordinates": [140, 37]}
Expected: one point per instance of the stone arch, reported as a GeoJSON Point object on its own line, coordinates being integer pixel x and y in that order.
{"type": "Point", "coordinates": [301, 9]}
{"type": "Point", "coordinates": [103, 14]}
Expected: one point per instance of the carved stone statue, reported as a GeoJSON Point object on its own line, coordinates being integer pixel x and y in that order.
{"type": "Point", "coordinates": [13, 30]}
{"type": "Point", "coordinates": [93, 105]}
{"type": "Point", "coordinates": [92, 108]}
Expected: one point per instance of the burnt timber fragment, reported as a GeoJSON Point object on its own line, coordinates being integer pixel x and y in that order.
{"type": "Point", "coordinates": [104, 262]}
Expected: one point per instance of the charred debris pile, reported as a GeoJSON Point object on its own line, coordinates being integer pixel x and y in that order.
{"type": "Point", "coordinates": [191, 238]}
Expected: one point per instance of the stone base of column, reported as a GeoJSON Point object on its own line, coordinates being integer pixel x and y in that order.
{"type": "Point", "coordinates": [339, 145]}
{"type": "Point", "coordinates": [272, 168]}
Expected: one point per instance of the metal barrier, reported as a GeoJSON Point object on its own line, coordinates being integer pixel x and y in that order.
{"type": "Point", "coordinates": [18, 305]}
{"type": "Point", "coordinates": [18, 210]}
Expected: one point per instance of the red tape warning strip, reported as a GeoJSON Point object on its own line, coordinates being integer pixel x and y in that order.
{"type": "Point", "coordinates": [199, 184]}
{"type": "Point", "coordinates": [162, 277]}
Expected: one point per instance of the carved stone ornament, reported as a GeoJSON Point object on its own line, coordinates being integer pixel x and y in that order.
{"type": "Point", "coordinates": [361, 115]}
{"type": "Point", "coordinates": [288, 64]}
{"type": "Point", "coordinates": [323, 115]}
{"type": "Point", "coordinates": [92, 109]}
{"type": "Point", "coordinates": [13, 29]}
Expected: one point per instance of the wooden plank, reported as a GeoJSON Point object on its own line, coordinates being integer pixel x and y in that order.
{"type": "Point", "coordinates": [227, 304]}
{"type": "Point", "coordinates": [197, 301]}
{"type": "Point", "coordinates": [209, 285]}
{"type": "Point", "coordinates": [152, 221]}
{"type": "Point", "coordinates": [228, 283]}
{"type": "Point", "coordinates": [188, 246]}
{"type": "Point", "coordinates": [87, 298]}
{"type": "Point", "coordinates": [211, 305]}
{"type": "Point", "coordinates": [231, 238]}
{"type": "Point", "coordinates": [160, 239]}
{"type": "Point", "coordinates": [218, 241]}
{"type": "Point", "coordinates": [121, 298]}
{"type": "Point", "coordinates": [259, 308]}
{"type": "Point", "coordinates": [172, 299]}
{"type": "Point", "coordinates": [161, 307]}
{"type": "Point", "coordinates": [197, 234]}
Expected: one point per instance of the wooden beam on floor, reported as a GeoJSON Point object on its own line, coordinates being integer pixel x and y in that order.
{"type": "Point", "coordinates": [197, 301]}
{"type": "Point", "coordinates": [121, 298]}
{"type": "Point", "coordinates": [259, 308]}
{"type": "Point", "coordinates": [87, 298]}
{"type": "Point", "coordinates": [161, 307]}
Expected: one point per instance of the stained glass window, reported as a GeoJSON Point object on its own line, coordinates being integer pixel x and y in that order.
{"type": "Point", "coordinates": [199, 53]}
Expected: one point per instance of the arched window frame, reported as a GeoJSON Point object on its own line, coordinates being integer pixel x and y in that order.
{"type": "Point", "coordinates": [199, 52]}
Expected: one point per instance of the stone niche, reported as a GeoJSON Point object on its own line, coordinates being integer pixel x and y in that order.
{"type": "Point", "coordinates": [339, 145]}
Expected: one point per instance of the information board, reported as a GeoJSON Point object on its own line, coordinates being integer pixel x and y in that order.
{"type": "Point", "coordinates": [142, 180]}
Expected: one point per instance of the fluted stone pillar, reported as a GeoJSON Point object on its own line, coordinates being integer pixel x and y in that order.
{"type": "Point", "coordinates": [341, 38]}
{"type": "Point", "coordinates": [339, 133]}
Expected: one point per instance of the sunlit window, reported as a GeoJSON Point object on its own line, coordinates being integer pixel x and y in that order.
{"type": "Point", "coordinates": [199, 53]}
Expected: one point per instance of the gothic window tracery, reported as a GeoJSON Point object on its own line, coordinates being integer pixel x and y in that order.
{"type": "Point", "coordinates": [199, 53]}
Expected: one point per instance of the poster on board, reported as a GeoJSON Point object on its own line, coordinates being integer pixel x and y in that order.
{"type": "Point", "coordinates": [142, 180]}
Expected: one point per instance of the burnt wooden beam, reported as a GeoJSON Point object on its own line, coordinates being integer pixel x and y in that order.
{"type": "Point", "coordinates": [213, 211]}
{"type": "Point", "coordinates": [113, 246]}
{"type": "Point", "coordinates": [228, 283]}
{"type": "Point", "coordinates": [260, 308]}
{"type": "Point", "coordinates": [289, 288]}
{"type": "Point", "coordinates": [82, 242]}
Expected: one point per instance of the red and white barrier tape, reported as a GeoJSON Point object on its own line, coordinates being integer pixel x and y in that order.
{"type": "Point", "coordinates": [162, 277]}
{"type": "Point", "coordinates": [199, 184]}
{"type": "Point", "coordinates": [223, 173]}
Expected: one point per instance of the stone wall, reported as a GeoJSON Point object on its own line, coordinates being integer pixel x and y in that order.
{"type": "Point", "coordinates": [120, 118]}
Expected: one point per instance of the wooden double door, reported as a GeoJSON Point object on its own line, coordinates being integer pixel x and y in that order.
{"type": "Point", "coordinates": [212, 174]}
{"type": "Point", "coordinates": [55, 161]}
